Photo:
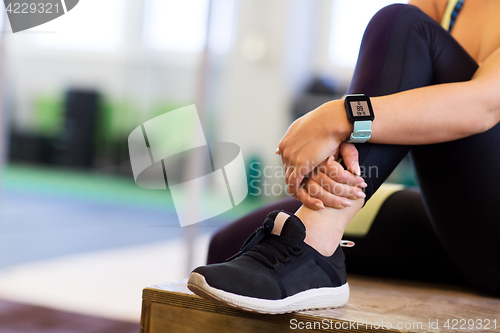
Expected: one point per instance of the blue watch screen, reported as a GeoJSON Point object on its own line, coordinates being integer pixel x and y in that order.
{"type": "Point", "coordinates": [360, 108]}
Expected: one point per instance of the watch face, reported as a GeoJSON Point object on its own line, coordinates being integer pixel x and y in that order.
{"type": "Point", "coordinates": [359, 108]}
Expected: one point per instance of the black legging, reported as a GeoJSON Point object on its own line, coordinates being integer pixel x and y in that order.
{"type": "Point", "coordinates": [404, 49]}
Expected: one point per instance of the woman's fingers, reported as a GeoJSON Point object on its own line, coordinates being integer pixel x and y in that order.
{"type": "Point", "coordinates": [330, 185]}
{"type": "Point", "coordinates": [309, 201]}
{"type": "Point", "coordinates": [339, 189]}
{"type": "Point", "coordinates": [296, 177]}
{"type": "Point", "coordinates": [288, 172]}
{"type": "Point", "coordinates": [350, 155]}
{"type": "Point", "coordinates": [336, 171]}
{"type": "Point", "coordinates": [316, 192]}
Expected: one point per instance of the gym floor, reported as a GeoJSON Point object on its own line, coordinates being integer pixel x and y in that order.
{"type": "Point", "coordinates": [89, 243]}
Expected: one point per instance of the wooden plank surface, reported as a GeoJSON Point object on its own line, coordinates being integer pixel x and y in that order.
{"type": "Point", "coordinates": [374, 306]}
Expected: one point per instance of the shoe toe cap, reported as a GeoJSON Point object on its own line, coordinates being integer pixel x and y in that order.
{"type": "Point", "coordinates": [241, 280]}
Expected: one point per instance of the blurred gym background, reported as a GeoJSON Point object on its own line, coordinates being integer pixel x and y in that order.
{"type": "Point", "coordinates": [76, 233]}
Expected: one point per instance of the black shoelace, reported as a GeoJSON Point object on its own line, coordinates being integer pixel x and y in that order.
{"type": "Point", "coordinates": [273, 250]}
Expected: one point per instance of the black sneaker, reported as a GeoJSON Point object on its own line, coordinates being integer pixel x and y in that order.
{"type": "Point", "coordinates": [275, 274]}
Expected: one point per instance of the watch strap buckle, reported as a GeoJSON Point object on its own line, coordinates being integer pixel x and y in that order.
{"type": "Point", "coordinates": [361, 133]}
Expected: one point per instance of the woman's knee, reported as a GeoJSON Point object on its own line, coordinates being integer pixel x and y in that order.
{"type": "Point", "coordinates": [386, 17]}
{"type": "Point", "coordinates": [391, 12]}
{"type": "Point", "coordinates": [391, 32]}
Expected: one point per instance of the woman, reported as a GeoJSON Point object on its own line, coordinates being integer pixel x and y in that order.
{"type": "Point", "coordinates": [430, 98]}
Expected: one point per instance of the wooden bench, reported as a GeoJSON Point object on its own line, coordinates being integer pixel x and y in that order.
{"type": "Point", "coordinates": [374, 306]}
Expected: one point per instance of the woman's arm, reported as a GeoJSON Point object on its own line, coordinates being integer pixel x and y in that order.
{"type": "Point", "coordinates": [442, 112]}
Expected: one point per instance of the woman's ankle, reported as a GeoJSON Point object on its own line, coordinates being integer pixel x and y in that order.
{"type": "Point", "coordinates": [324, 235]}
{"type": "Point", "coordinates": [325, 227]}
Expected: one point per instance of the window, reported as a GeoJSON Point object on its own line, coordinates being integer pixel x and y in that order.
{"type": "Point", "coordinates": [181, 26]}
{"type": "Point", "coordinates": [93, 25]}
{"type": "Point", "coordinates": [176, 26]}
{"type": "Point", "coordinates": [348, 22]}
{"type": "Point", "coordinates": [222, 26]}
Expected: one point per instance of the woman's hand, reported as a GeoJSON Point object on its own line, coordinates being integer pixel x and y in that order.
{"type": "Point", "coordinates": [331, 185]}
{"type": "Point", "coordinates": [311, 139]}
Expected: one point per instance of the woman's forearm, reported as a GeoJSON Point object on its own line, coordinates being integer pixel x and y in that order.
{"type": "Point", "coordinates": [442, 112]}
{"type": "Point", "coordinates": [432, 114]}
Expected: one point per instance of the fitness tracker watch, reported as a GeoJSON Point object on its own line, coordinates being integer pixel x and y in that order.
{"type": "Point", "coordinates": [359, 112]}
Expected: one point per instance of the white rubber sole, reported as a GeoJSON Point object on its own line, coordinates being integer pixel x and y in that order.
{"type": "Point", "coordinates": [319, 298]}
